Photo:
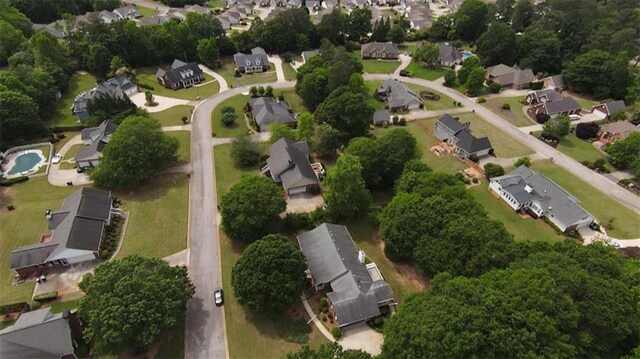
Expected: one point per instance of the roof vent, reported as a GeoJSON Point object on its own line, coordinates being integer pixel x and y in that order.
{"type": "Point", "coordinates": [528, 188]}
{"type": "Point", "coordinates": [550, 208]}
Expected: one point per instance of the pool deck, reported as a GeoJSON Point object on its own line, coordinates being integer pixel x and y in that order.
{"type": "Point", "coordinates": [11, 162]}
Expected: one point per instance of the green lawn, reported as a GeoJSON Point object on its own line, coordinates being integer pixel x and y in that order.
{"type": "Point", "coordinates": [579, 150]}
{"type": "Point", "coordinates": [445, 102]}
{"type": "Point", "coordinates": [184, 151]}
{"type": "Point", "coordinates": [248, 333]}
{"type": "Point", "coordinates": [427, 73]}
{"type": "Point", "coordinates": [145, 11]}
{"type": "Point", "coordinates": [380, 66]}
{"type": "Point", "coordinates": [71, 153]}
{"type": "Point", "coordinates": [515, 115]}
{"type": "Point", "coordinates": [6, 324]}
{"type": "Point", "coordinates": [292, 99]}
{"type": "Point", "coordinates": [585, 103]}
{"type": "Point", "coordinates": [147, 76]}
{"type": "Point", "coordinates": [504, 145]}
{"type": "Point", "coordinates": [78, 83]}
{"type": "Point", "coordinates": [158, 216]}
{"type": "Point", "coordinates": [215, 3]}
{"type": "Point", "coordinates": [522, 229]}
{"type": "Point", "coordinates": [237, 102]}
{"type": "Point", "coordinates": [62, 306]}
{"type": "Point", "coordinates": [409, 47]}
{"type": "Point", "coordinates": [173, 116]}
{"type": "Point", "coordinates": [626, 223]}
{"type": "Point", "coordinates": [228, 69]}
{"type": "Point", "coordinates": [289, 71]}
{"type": "Point", "coordinates": [371, 88]}
{"type": "Point", "coordinates": [68, 136]}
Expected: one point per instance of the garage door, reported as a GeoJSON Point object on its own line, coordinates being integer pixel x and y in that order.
{"type": "Point", "coordinates": [297, 190]}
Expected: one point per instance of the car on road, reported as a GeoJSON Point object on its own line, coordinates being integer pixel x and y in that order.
{"type": "Point", "coordinates": [218, 297]}
{"type": "Point", "coordinates": [57, 158]}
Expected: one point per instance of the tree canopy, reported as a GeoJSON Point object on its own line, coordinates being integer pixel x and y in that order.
{"type": "Point", "coordinates": [626, 153]}
{"type": "Point", "coordinates": [345, 191]}
{"type": "Point", "coordinates": [347, 111]}
{"type": "Point", "coordinates": [497, 45]}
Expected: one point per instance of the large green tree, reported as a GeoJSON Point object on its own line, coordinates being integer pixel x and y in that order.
{"type": "Point", "coordinates": [209, 53]}
{"type": "Point", "coordinates": [130, 302]}
{"type": "Point", "coordinates": [497, 45]}
{"type": "Point", "coordinates": [137, 150]}
{"type": "Point", "coordinates": [471, 19]}
{"type": "Point", "coordinates": [402, 224]}
{"type": "Point", "coordinates": [557, 128]}
{"type": "Point", "coordinates": [599, 74]}
{"type": "Point", "coordinates": [11, 39]}
{"type": "Point", "coordinates": [427, 54]}
{"type": "Point", "coordinates": [306, 127]}
{"type": "Point", "coordinates": [46, 48]}
{"type": "Point", "coordinates": [523, 15]}
{"type": "Point", "coordinates": [19, 118]}
{"type": "Point", "coordinates": [345, 191]}
{"type": "Point", "coordinates": [328, 351]}
{"type": "Point", "coordinates": [252, 208]}
{"type": "Point", "coordinates": [359, 24]}
{"type": "Point", "coordinates": [346, 111]}
{"type": "Point", "coordinates": [626, 153]}
{"type": "Point", "coordinates": [326, 140]}
{"type": "Point", "coordinates": [540, 50]}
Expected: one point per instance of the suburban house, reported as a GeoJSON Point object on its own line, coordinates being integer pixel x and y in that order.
{"type": "Point", "coordinates": [55, 28]}
{"type": "Point", "coordinates": [526, 190]}
{"type": "Point", "coordinates": [306, 55]}
{"type": "Point", "coordinates": [153, 20]}
{"type": "Point", "coordinates": [555, 82]}
{"type": "Point", "coordinates": [126, 13]}
{"type": "Point", "coordinates": [198, 9]}
{"type": "Point", "coordinates": [41, 334]}
{"type": "Point", "coordinates": [108, 17]}
{"type": "Point", "coordinates": [356, 291]}
{"type": "Point", "coordinates": [611, 132]}
{"type": "Point", "coordinates": [77, 229]}
{"type": "Point", "coordinates": [605, 110]}
{"type": "Point", "coordinates": [119, 87]}
{"type": "Point", "coordinates": [448, 55]}
{"type": "Point", "coordinates": [177, 13]}
{"type": "Point", "coordinates": [381, 116]}
{"type": "Point", "coordinates": [565, 106]}
{"type": "Point", "coordinates": [380, 50]}
{"type": "Point", "coordinates": [257, 61]}
{"type": "Point", "coordinates": [180, 75]}
{"type": "Point", "coordinates": [458, 134]}
{"type": "Point", "coordinates": [418, 14]}
{"type": "Point", "coordinates": [508, 76]}
{"type": "Point", "coordinates": [313, 5]}
{"type": "Point", "coordinates": [543, 96]}
{"type": "Point", "coordinates": [398, 96]}
{"type": "Point", "coordinates": [94, 140]}
{"type": "Point", "coordinates": [288, 164]}
{"type": "Point", "coordinates": [330, 4]}
{"type": "Point", "coordinates": [267, 111]}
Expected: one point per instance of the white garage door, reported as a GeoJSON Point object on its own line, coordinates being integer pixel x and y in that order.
{"type": "Point", "coordinates": [297, 190]}
{"type": "Point", "coordinates": [601, 115]}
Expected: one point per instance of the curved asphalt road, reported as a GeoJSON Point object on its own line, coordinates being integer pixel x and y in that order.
{"type": "Point", "coordinates": [597, 180]}
{"type": "Point", "coordinates": [204, 332]}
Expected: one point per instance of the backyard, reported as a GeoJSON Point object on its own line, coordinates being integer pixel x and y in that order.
{"type": "Point", "coordinates": [240, 128]}
{"type": "Point", "coordinates": [579, 150]}
{"type": "Point", "coordinates": [145, 11]}
{"type": "Point", "coordinates": [626, 223]}
{"type": "Point", "coordinates": [515, 115]}
{"type": "Point", "coordinates": [173, 116]}
{"type": "Point", "coordinates": [147, 76]}
{"type": "Point", "coordinates": [78, 83]}
{"type": "Point", "coordinates": [228, 70]}
{"type": "Point", "coordinates": [292, 99]}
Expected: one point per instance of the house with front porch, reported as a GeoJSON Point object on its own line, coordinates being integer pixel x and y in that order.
{"type": "Point", "coordinates": [180, 75]}
{"type": "Point", "coordinates": [510, 76]}
{"type": "Point", "coordinates": [453, 132]}
{"type": "Point", "coordinates": [256, 61]}
{"type": "Point", "coordinates": [566, 105]}
{"type": "Point", "coordinates": [356, 291]}
{"type": "Point", "coordinates": [380, 50]}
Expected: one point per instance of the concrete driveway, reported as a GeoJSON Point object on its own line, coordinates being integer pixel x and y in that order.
{"type": "Point", "coordinates": [66, 280]}
{"type": "Point", "coordinates": [360, 336]}
{"type": "Point", "coordinates": [163, 102]}
{"type": "Point", "coordinates": [58, 177]}
{"type": "Point", "coordinates": [279, 71]}
{"type": "Point", "coordinates": [302, 203]}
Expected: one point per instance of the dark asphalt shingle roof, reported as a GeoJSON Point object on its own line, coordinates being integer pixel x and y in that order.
{"type": "Point", "coordinates": [616, 106]}
{"type": "Point", "coordinates": [470, 143]}
{"type": "Point", "coordinates": [99, 137]}
{"type": "Point", "coordinates": [181, 71]}
{"type": "Point", "coordinates": [267, 110]}
{"type": "Point", "coordinates": [380, 116]}
{"type": "Point", "coordinates": [451, 123]}
{"type": "Point", "coordinates": [37, 334]}
{"type": "Point", "coordinates": [566, 104]}
{"type": "Point", "coordinates": [289, 160]}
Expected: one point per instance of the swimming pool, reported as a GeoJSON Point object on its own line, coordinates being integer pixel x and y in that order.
{"type": "Point", "coordinates": [466, 54]}
{"type": "Point", "coordinates": [25, 162]}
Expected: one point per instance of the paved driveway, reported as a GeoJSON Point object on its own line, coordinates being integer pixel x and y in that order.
{"type": "Point", "coordinates": [360, 336]}
{"type": "Point", "coordinates": [58, 177]}
{"type": "Point", "coordinates": [163, 102]}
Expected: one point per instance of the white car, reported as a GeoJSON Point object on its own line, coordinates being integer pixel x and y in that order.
{"type": "Point", "coordinates": [218, 297]}
{"type": "Point", "coordinates": [57, 158]}
{"type": "Point", "coordinates": [574, 117]}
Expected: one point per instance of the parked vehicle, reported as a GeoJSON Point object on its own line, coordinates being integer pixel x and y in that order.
{"type": "Point", "coordinates": [57, 158]}
{"type": "Point", "coordinates": [218, 297]}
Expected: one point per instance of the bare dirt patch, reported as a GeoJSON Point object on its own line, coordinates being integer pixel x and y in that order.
{"type": "Point", "coordinates": [6, 198]}
{"type": "Point", "coordinates": [410, 276]}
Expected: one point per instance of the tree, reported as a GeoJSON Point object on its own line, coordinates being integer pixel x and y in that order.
{"type": "Point", "coordinates": [306, 127]}
{"type": "Point", "coordinates": [471, 19]}
{"type": "Point", "coordinates": [626, 153]}
{"type": "Point", "coordinates": [475, 81]}
{"type": "Point", "coordinates": [587, 130]}
{"type": "Point", "coordinates": [599, 74]}
{"type": "Point", "coordinates": [523, 13]}
{"type": "Point", "coordinates": [328, 351]}
{"type": "Point", "coordinates": [245, 153]}
{"type": "Point", "coordinates": [428, 54]}
{"type": "Point", "coordinates": [443, 28]}
{"type": "Point", "coordinates": [147, 296]}
{"type": "Point", "coordinates": [137, 150]}
{"type": "Point", "coordinates": [540, 50]}
{"type": "Point", "coordinates": [17, 19]}
{"type": "Point", "coordinates": [380, 30]}
{"type": "Point", "coordinates": [346, 111]}
{"type": "Point", "coordinates": [396, 34]}
{"type": "Point", "coordinates": [269, 276]}
{"type": "Point", "coordinates": [279, 130]}
{"type": "Point", "coordinates": [326, 140]}
{"type": "Point", "coordinates": [468, 65]}
{"type": "Point", "coordinates": [312, 88]}
{"type": "Point", "coordinates": [46, 48]}
{"type": "Point", "coordinates": [19, 118]}
{"type": "Point", "coordinates": [402, 224]}
{"type": "Point", "coordinates": [497, 45]}
{"type": "Point", "coordinates": [345, 191]}
{"type": "Point", "coordinates": [504, 9]}
{"type": "Point", "coordinates": [11, 39]}
{"type": "Point", "coordinates": [148, 97]}
{"type": "Point", "coordinates": [358, 24]}
{"type": "Point", "coordinates": [556, 128]}
{"type": "Point", "coordinates": [251, 209]}
{"type": "Point", "coordinates": [209, 53]}
{"type": "Point", "coordinates": [493, 170]}
{"type": "Point", "coordinates": [450, 78]}
{"type": "Point", "coordinates": [332, 26]}
{"type": "Point", "coordinates": [523, 161]}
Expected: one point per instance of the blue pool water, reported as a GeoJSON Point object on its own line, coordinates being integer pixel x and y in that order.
{"type": "Point", "coordinates": [466, 54]}
{"type": "Point", "coordinates": [25, 162]}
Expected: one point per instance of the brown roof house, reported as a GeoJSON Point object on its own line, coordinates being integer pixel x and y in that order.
{"type": "Point", "coordinates": [288, 164]}
{"type": "Point", "coordinates": [611, 132]}
{"type": "Point", "coordinates": [77, 230]}
{"type": "Point", "coordinates": [380, 50]}
{"type": "Point", "coordinates": [508, 76]}
{"type": "Point", "coordinates": [605, 110]}
{"type": "Point", "coordinates": [356, 291]}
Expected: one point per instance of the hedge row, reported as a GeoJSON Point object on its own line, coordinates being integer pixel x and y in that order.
{"type": "Point", "coordinates": [11, 181]}
{"type": "Point", "coordinates": [46, 296]}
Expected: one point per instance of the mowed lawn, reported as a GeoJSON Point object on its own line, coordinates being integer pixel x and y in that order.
{"type": "Point", "coordinates": [445, 102]}
{"type": "Point", "coordinates": [173, 116]}
{"type": "Point", "coordinates": [292, 99]}
{"type": "Point", "coordinates": [77, 84]}
{"type": "Point", "coordinates": [373, 66]}
{"type": "Point", "coordinates": [289, 72]}
{"type": "Point", "coordinates": [504, 145]}
{"type": "Point", "coordinates": [184, 151]}
{"type": "Point", "coordinates": [147, 76]}
{"type": "Point", "coordinates": [158, 216]}
{"type": "Point", "coordinates": [228, 70]}
{"type": "Point", "coordinates": [145, 11]}
{"type": "Point", "coordinates": [248, 333]}
{"type": "Point", "coordinates": [515, 115]}
{"type": "Point", "coordinates": [626, 223]}
{"type": "Point", "coordinates": [579, 150]}
{"type": "Point", "coordinates": [427, 73]}
{"type": "Point", "coordinates": [240, 128]}
{"type": "Point", "coordinates": [71, 153]}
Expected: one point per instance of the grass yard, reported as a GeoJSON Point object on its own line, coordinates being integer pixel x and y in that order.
{"type": "Point", "coordinates": [228, 69]}
{"type": "Point", "coordinates": [445, 102]}
{"type": "Point", "coordinates": [626, 222]}
{"type": "Point", "coordinates": [68, 136]}
{"type": "Point", "coordinates": [585, 103]}
{"type": "Point", "coordinates": [227, 173]}
{"type": "Point", "coordinates": [173, 345]}
{"type": "Point", "coordinates": [293, 99]}
{"type": "Point", "coordinates": [6, 324]}
{"type": "Point", "coordinates": [145, 11]}
{"type": "Point", "coordinates": [63, 116]}
{"type": "Point", "coordinates": [173, 116]}
{"type": "Point", "coordinates": [522, 229]}
{"type": "Point", "coordinates": [147, 76]}
{"type": "Point", "coordinates": [158, 216]}
{"type": "Point", "coordinates": [371, 88]}
{"type": "Point", "coordinates": [515, 115]}
{"type": "Point", "coordinates": [504, 146]}
{"type": "Point", "coordinates": [579, 150]}
{"type": "Point", "coordinates": [215, 3]}
{"type": "Point", "coordinates": [289, 72]}
{"type": "Point", "coordinates": [24, 226]}
{"type": "Point", "coordinates": [409, 47]}
{"type": "Point", "coordinates": [184, 150]}
{"type": "Point", "coordinates": [67, 165]}
{"type": "Point", "coordinates": [380, 66]}
{"type": "Point", "coordinates": [71, 153]}
{"type": "Point", "coordinates": [240, 129]}
{"type": "Point", "coordinates": [427, 73]}
{"type": "Point", "coordinates": [62, 306]}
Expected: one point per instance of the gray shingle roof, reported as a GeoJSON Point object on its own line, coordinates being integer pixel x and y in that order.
{"type": "Point", "coordinates": [181, 71]}
{"type": "Point", "coordinates": [448, 53]}
{"type": "Point", "coordinates": [507, 75]}
{"type": "Point", "coordinates": [388, 47]}
{"type": "Point", "coordinates": [566, 104]}
{"type": "Point", "coordinates": [258, 57]}
{"type": "Point", "coordinates": [615, 106]}
{"type": "Point", "coordinates": [289, 161]}
{"type": "Point", "coordinates": [99, 137]}
{"type": "Point", "coordinates": [451, 123]}
{"type": "Point", "coordinates": [399, 95]}
{"type": "Point", "coordinates": [332, 257]}
{"type": "Point", "coordinates": [380, 116]}
{"type": "Point", "coordinates": [267, 110]}
{"type": "Point", "coordinates": [470, 143]}
{"type": "Point", "coordinates": [37, 334]}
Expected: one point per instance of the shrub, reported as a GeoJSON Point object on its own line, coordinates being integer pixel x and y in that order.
{"type": "Point", "coordinates": [324, 310]}
{"type": "Point", "coordinates": [536, 85]}
{"type": "Point", "coordinates": [506, 106]}
{"type": "Point", "coordinates": [542, 118]}
{"type": "Point", "coordinates": [294, 222]}
{"type": "Point", "coordinates": [494, 87]}
{"type": "Point", "coordinates": [475, 180]}
{"type": "Point", "coordinates": [337, 333]}
{"type": "Point", "coordinates": [449, 78]}
{"type": "Point", "coordinates": [12, 181]}
{"type": "Point", "coordinates": [228, 109]}
{"type": "Point", "coordinates": [324, 302]}
{"type": "Point", "coordinates": [46, 296]}
{"type": "Point", "coordinates": [481, 100]}
{"type": "Point", "coordinates": [401, 122]}
{"type": "Point", "coordinates": [587, 130]}
{"type": "Point", "coordinates": [13, 308]}
{"type": "Point", "coordinates": [61, 136]}
{"type": "Point", "coordinates": [493, 170]}
{"type": "Point", "coordinates": [31, 305]}
{"type": "Point", "coordinates": [228, 119]}
{"type": "Point", "coordinates": [526, 160]}
{"type": "Point", "coordinates": [185, 119]}
{"type": "Point", "coordinates": [245, 152]}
